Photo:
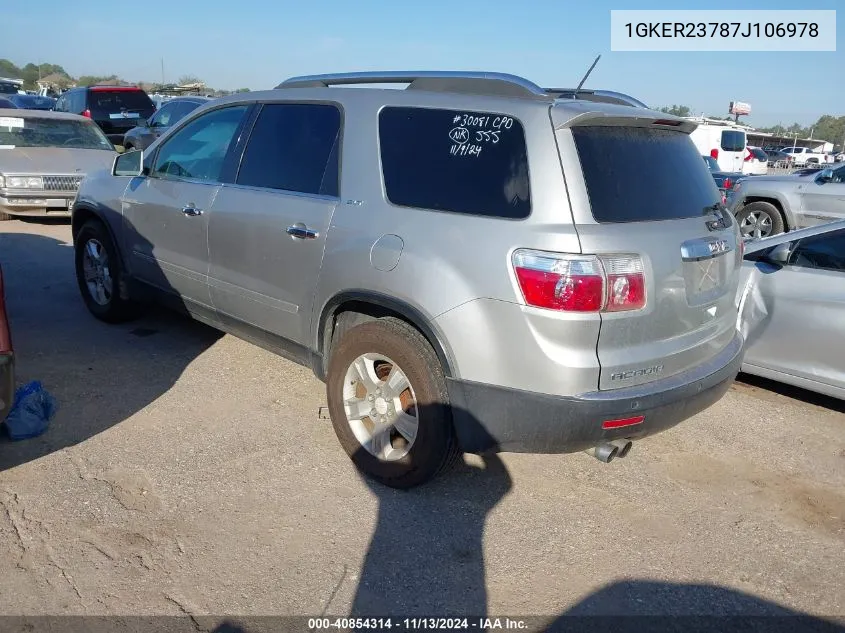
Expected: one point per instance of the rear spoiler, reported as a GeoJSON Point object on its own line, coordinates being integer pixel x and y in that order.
{"type": "Point", "coordinates": [568, 114]}
{"type": "Point", "coordinates": [596, 96]}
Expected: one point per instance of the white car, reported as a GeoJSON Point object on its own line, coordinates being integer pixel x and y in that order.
{"type": "Point", "coordinates": [806, 156]}
{"type": "Point", "coordinates": [756, 162]}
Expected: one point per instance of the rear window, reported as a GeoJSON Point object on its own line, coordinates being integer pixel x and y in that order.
{"type": "Point", "coordinates": [760, 154]}
{"type": "Point", "coordinates": [114, 101]}
{"type": "Point", "coordinates": [643, 174]}
{"type": "Point", "coordinates": [454, 160]}
{"type": "Point", "coordinates": [733, 140]}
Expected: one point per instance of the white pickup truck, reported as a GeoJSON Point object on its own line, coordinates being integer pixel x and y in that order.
{"type": "Point", "coordinates": [806, 156]}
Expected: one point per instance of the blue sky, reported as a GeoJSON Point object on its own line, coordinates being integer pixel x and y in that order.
{"type": "Point", "coordinates": [257, 43]}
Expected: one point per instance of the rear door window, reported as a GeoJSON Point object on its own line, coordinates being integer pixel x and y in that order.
{"type": "Point", "coordinates": [643, 174]}
{"type": "Point", "coordinates": [454, 160]}
{"type": "Point", "coordinates": [733, 140]}
{"type": "Point", "coordinates": [294, 147]}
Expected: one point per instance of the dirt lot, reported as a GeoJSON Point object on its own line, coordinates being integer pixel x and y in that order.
{"type": "Point", "coordinates": [187, 472]}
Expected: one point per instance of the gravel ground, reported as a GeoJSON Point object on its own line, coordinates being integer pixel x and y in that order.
{"type": "Point", "coordinates": [187, 472]}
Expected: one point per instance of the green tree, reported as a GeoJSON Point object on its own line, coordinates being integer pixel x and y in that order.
{"type": "Point", "coordinates": [10, 70]}
{"type": "Point", "coordinates": [677, 110]}
{"type": "Point", "coordinates": [242, 90]}
{"type": "Point", "coordinates": [90, 80]}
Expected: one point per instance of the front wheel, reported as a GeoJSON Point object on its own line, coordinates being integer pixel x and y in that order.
{"type": "Point", "coordinates": [759, 219]}
{"type": "Point", "coordinates": [388, 403]}
{"type": "Point", "coordinates": [98, 273]}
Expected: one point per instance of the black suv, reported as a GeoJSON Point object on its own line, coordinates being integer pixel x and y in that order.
{"type": "Point", "coordinates": [116, 109]}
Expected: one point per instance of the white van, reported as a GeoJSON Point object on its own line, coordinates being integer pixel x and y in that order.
{"type": "Point", "coordinates": [724, 142]}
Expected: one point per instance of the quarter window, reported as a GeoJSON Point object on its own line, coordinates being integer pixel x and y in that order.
{"type": "Point", "coordinates": [455, 160]}
{"type": "Point", "coordinates": [294, 147]}
{"type": "Point", "coordinates": [199, 149]}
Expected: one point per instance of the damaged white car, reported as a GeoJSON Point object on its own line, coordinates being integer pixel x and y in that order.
{"type": "Point", "coordinates": [791, 304]}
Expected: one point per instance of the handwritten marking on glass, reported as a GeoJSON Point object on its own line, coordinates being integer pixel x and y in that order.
{"type": "Point", "coordinates": [466, 149]}
{"type": "Point", "coordinates": [459, 135]}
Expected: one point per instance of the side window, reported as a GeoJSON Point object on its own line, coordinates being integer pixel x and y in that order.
{"type": "Point", "coordinates": [838, 175]}
{"type": "Point", "coordinates": [293, 147]}
{"type": "Point", "coordinates": [733, 140]}
{"type": "Point", "coordinates": [164, 116]}
{"type": "Point", "coordinates": [199, 149]}
{"type": "Point", "coordinates": [448, 160]}
{"type": "Point", "coordinates": [825, 251]}
{"type": "Point", "coordinates": [79, 99]}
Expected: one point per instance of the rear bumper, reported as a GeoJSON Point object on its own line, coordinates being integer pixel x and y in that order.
{"type": "Point", "coordinates": [492, 418]}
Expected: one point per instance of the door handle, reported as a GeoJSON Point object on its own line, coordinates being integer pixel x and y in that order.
{"type": "Point", "coordinates": [191, 211]}
{"type": "Point", "coordinates": [302, 232]}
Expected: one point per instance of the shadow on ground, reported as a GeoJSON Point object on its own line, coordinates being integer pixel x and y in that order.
{"type": "Point", "coordinates": [426, 559]}
{"type": "Point", "coordinates": [100, 374]}
{"type": "Point", "coordinates": [796, 393]}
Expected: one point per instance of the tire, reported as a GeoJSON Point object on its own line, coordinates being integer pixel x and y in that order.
{"type": "Point", "coordinates": [108, 306]}
{"type": "Point", "coordinates": [390, 343]}
{"type": "Point", "coordinates": [759, 219]}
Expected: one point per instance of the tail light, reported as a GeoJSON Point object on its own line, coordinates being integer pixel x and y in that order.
{"type": "Point", "coordinates": [580, 283]}
{"type": "Point", "coordinates": [727, 182]}
{"type": "Point", "coordinates": [714, 154]}
{"type": "Point", "coordinates": [87, 113]}
{"type": "Point", "coordinates": [749, 156]}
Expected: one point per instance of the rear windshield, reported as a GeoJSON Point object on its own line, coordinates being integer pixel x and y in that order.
{"type": "Point", "coordinates": [47, 132]}
{"type": "Point", "coordinates": [733, 141]}
{"type": "Point", "coordinates": [114, 101]}
{"type": "Point", "coordinates": [760, 154]}
{"type": "Point", "coordinates": [643, 174]}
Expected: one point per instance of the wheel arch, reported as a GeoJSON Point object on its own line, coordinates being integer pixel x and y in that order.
{"type": "Point", "coordinates": [361, 306]}
{"type": "Point", "coordinates": [788, 221]}
{"type": "Point", "coordinates": [83, 213]}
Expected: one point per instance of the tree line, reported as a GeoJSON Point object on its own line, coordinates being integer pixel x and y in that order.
{"type": "Point", "coordinates": [32, 73]}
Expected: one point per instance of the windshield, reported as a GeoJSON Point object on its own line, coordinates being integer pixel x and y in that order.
{"type": "Point", "coordinates": [117, 100]}
{"type": "Point", "coordinates": [643, 174]}
{"type": "Point", "coordinates": [42, 132]}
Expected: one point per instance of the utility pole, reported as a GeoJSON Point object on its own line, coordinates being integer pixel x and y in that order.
{"type": "Point", "coordinates": [162, 71]}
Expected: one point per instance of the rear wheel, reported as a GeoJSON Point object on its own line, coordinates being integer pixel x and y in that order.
{"type": "Point", "coordinates": [759, 219]}
{"type": "Point", "coordinates": [389, 405]}
{"type": "Point", "coordinates": [98, 273]}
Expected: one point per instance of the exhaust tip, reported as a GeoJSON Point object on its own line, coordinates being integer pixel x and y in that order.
{"type": "Point", "coordinates": [624, 447]}
{"type": "Point", "coordinates": [604, 452]}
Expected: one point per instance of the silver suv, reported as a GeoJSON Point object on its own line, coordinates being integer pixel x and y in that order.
{"type": "Point", "coordinates": [470, 264]}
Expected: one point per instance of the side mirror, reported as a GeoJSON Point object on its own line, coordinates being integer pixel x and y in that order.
{"type": "Point", "coordinates": [129, 164]}
{"type": "Point", "coordinates": [825, 176]}
{"type": "Point", "coordinates": [779, 255]}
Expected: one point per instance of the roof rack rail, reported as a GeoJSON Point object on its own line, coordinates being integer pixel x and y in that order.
{"type": "Point", "coordinates": [486, 83]}
{"type": "Point", "coordinates": [601, 96]}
